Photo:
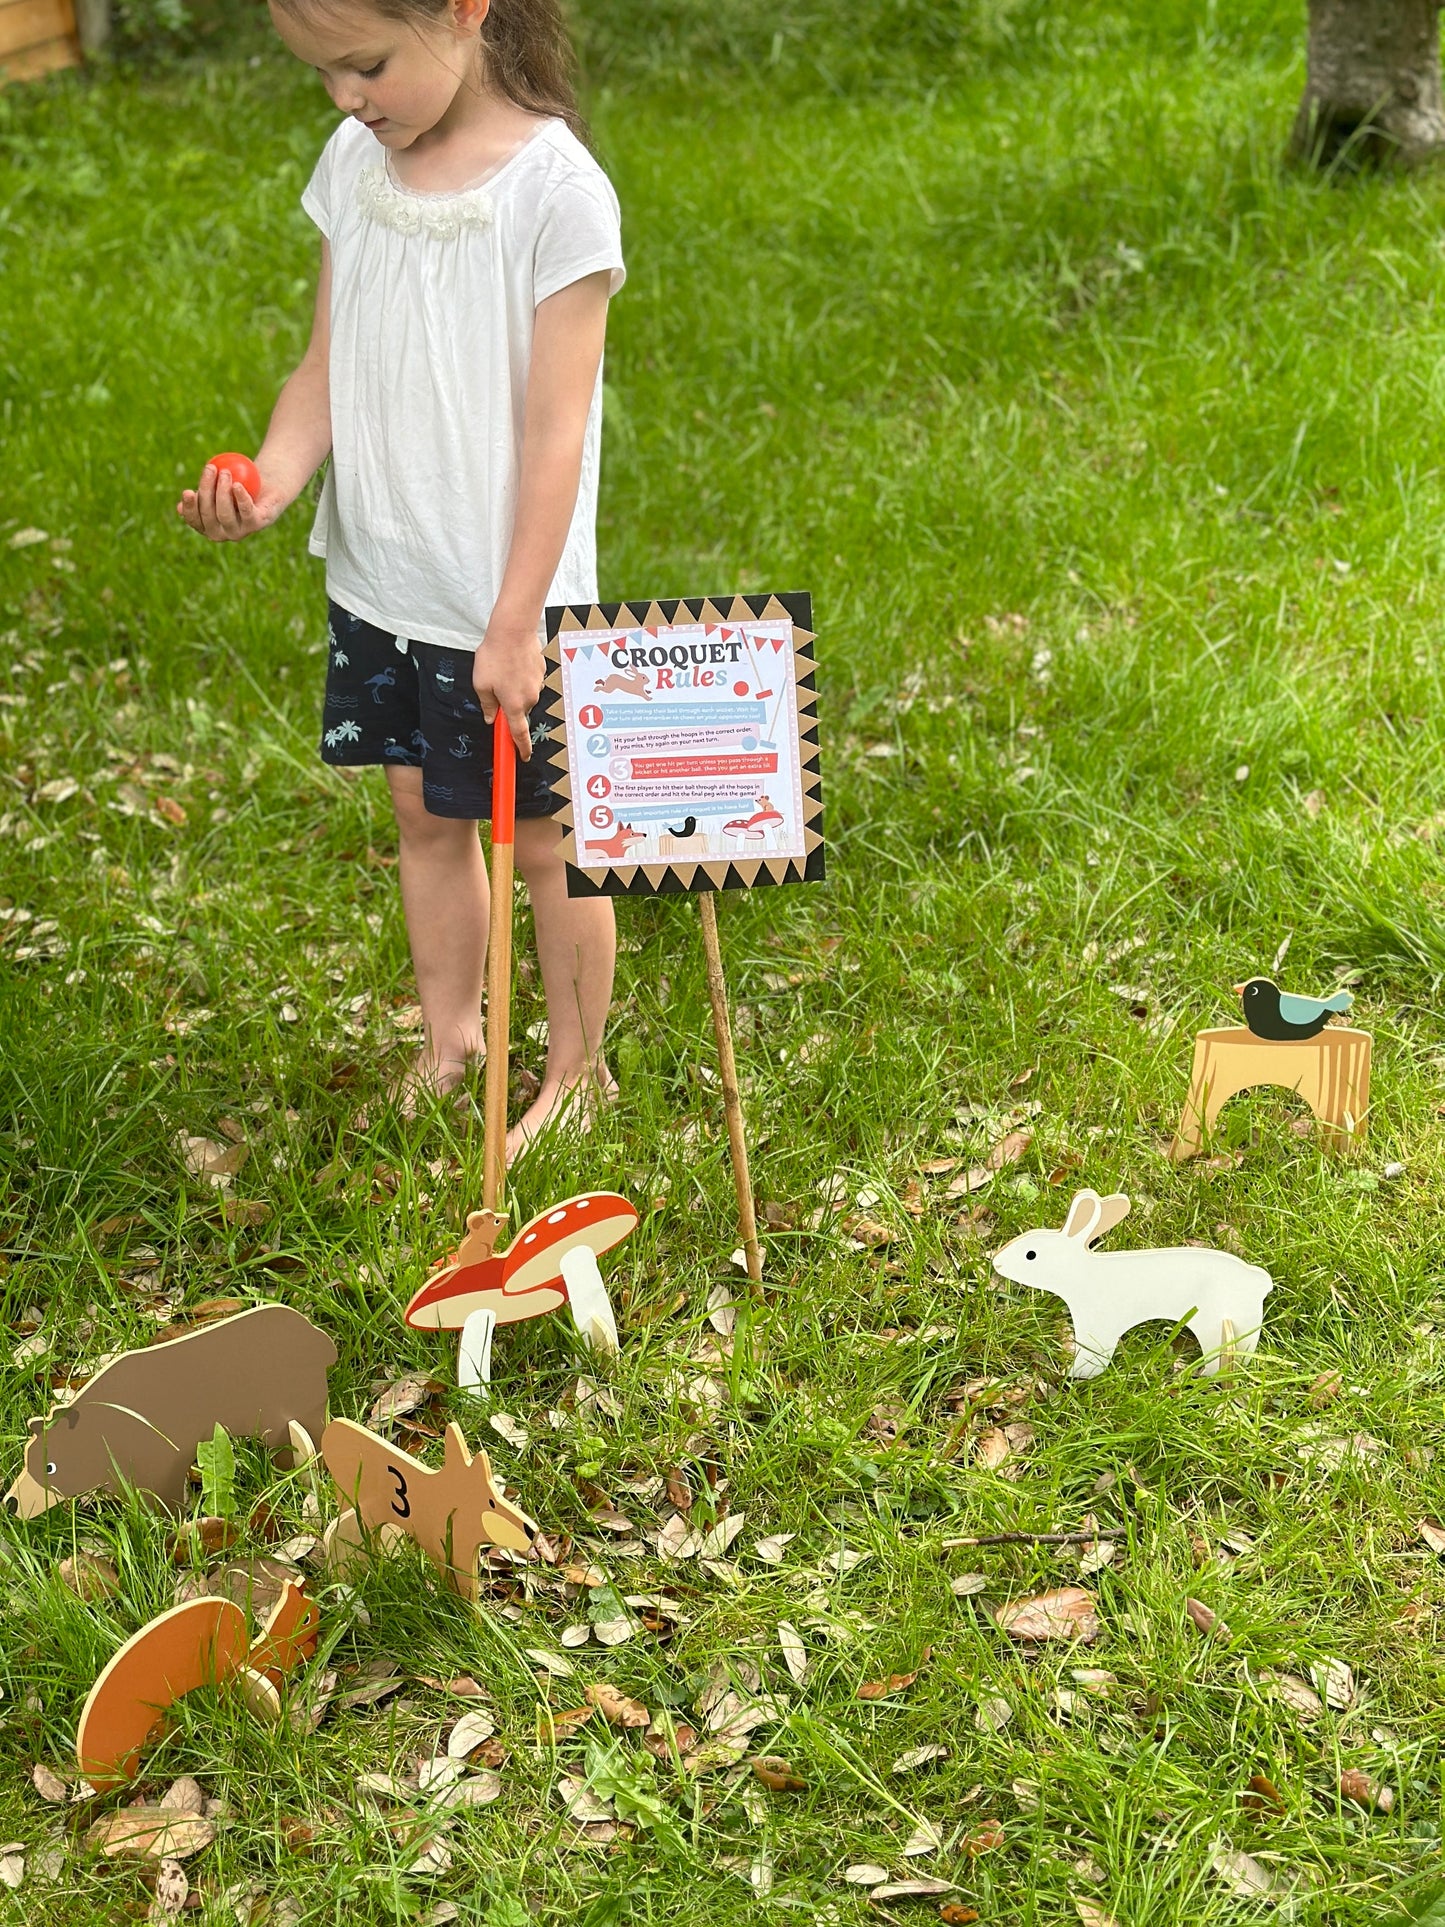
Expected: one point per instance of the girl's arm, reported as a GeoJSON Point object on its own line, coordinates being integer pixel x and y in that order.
{"type": "Point", "coordinates": [297, 442]}
{"type": "Point", "coordinates": [566, 353]}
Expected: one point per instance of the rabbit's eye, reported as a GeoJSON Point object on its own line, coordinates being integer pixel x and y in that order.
{"type": "Point", "coordinates": [50, 1468]}
{"type": "Point", "coordinates": [1031, 1255]}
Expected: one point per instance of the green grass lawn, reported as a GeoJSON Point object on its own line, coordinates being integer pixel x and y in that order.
{"type": "Point", "coordinates": [1109, 451]}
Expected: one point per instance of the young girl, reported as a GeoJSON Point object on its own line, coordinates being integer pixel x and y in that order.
{"type": "Point", "coordinates": [469, 247]}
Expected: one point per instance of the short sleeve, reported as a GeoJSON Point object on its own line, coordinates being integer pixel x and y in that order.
{"type": "Point", "coordinates": [579, 233]}
{"type": "Point", "coordinates": [316, 195]}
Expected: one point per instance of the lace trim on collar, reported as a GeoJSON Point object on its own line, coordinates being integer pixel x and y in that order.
{"type": "Point", "coordinates": [444, 216]}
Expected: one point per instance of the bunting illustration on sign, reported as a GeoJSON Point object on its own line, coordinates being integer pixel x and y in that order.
{"type": "Point", "coordinates": [687, 738]}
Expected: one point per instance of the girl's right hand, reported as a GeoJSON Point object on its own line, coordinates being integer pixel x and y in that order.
{"type": "Point", "coordinates": [221, 510]}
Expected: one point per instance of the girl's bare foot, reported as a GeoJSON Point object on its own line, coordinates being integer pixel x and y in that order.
{"type": "Point", "coordinates": [426, 1079]}
{"type": "Point", "coordinates": [562, 1105]}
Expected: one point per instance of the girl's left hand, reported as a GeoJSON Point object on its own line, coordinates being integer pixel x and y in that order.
{"type": "Point", "coordinates": [507, 674]}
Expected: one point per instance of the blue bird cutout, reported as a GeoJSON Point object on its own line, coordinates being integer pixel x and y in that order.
{"type": "Point", "coordinates": [1282, 1018]}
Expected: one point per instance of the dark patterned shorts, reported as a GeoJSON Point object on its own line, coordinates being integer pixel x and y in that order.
{"type": "Point", "coordinates": [393, 701]}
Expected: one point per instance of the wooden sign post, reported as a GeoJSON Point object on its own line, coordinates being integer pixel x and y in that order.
{"type": "Point", "coordinates": [687, 737]}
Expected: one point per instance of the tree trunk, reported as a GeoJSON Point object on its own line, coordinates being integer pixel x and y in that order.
{"type": "Point", "coordinates": [1373, 88]}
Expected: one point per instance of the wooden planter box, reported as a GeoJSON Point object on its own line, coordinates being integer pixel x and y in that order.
{"type": "Point", "coordinates": [37, 36]}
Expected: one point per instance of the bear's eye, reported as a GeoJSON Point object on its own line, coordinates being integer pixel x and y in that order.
{"type": "Point", "coordinates": [50, 1468]}
{"type": "Point", "coordinates": [1031, 1255]}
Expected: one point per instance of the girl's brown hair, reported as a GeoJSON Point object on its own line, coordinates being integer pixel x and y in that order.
{"type": "Point", "coordinates": [525, 44]}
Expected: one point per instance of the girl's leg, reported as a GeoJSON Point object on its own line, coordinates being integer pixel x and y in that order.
{"type": "Point", "coordinates": [444, 895]}
{"type": "Point", "coordinates": [577, 950]}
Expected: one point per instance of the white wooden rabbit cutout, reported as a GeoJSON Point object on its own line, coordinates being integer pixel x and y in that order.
{"type": "Point", "coordinates": [1218, 1296]}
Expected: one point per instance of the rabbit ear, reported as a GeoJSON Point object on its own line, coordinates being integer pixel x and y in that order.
{"type": "Point", "coordinates": [1083, 1218]}
{"type": "Point", "coordinates": [1112, 1210]}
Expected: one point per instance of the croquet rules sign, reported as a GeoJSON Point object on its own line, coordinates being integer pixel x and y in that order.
{"type": "Point", "coordinates": [687, 738]}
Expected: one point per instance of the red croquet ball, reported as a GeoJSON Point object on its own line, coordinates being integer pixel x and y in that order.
{"type": "Point", "coordinates": [741, 688]}
{"type": "Point", "coordinates": [241, 469]}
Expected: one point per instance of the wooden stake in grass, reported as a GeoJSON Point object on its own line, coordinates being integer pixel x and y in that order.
{"type": "Point", "coordinates": [717, 991]}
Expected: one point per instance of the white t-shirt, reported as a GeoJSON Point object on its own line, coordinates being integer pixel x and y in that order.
{"type": "Point", "coordinates": [432, 304]}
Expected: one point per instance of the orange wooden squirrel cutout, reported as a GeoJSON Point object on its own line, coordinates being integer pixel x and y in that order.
{"type": "Point", "coordinates": [451, 1513]}
{"type": "Point", "coordinates": [205, 1642]}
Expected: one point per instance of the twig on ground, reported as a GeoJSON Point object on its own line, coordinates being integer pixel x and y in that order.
{"type": "Point", "coordinates": [1028, 1539]}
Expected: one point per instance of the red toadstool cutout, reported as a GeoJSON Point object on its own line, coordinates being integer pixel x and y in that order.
{"type": "Point", "coordinates": [525, 1280]}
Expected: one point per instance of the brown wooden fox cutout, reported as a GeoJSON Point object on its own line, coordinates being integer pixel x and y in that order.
{"type": "Point", "coordinates": [450, 1512]}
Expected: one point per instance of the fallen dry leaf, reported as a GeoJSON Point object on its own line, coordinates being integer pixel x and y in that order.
{"type": "Point", "coordinates": [1296, 1693]}
{"type": "Point", "coordinates": [153, 1832]}
{"type": "Point", "coordinates": [205, 1157]}
{"type": "Point", "coordinates": [918, 1756]}
{"type": "Point", "coordinates": [865, 1874]}
{"type": "Point", "coordinates": [718, 1538]}
{"type": "Point", "coordinates": [171, 810]}
{"type": "Point", "coordinates": [925, 1838]}
{"type": "Point", "coordinates": [1365, 1791]}
{"type": "Point", "coordinates": [511, 1429]}
{"type": "Point", "coordinates": [1325, 1389]}
{"type": "Point", "coordinates": [204, 1538]}
{"type": "Point", "coordinates": [1206, 1619]}
{"type": "Point", "coordinates": [967, 1584]}
{"type": "Point", "coordinates": [184, 1796]}
{"type": "Point", "coordinates": [955, 1914]}
{"type": "Point", "coordinates": [434, 1775]}
{"type": "Point", "coordinates": [12, 1865]}
{"type": "Point", "coordinates": [1243, 1874]}
{"type": "Point", "coordinates": [1008, 1150]}
{"type": "Point", "coordinates": [384, 1789]}
{"type": "Point", "coordinates": [1433, 1533]}
{"type": "Point", "coordinates": [563, 1722]}
{"type": "Point", "coordinates": [795, 1653]}
{"type": "Point", "coordinates": [581, 1802]}
{"type": "Point", "coordinates": [993, 1714]}
{"type": "Point", "coordinates": [616, 1708]}
{"type": "Point", "coordinates": [1091, 1914]}
{"type": "Point", "coordinates": [477, 1790]}
{"type": "Point", "coordinates": [172, 1890]}
{"type": "Point", "coordinates": [677, 1540]}
{"type": "Point", "coordinates": [777, 1774]}
{"type": "Point", "coordinates": [404, 1396]}
{"type": "Point", "coordinates": [877, 1689]}
{"type": "Point", "coordinates": [378, 1679]}
{"type": "Point", "coordinates": [1263, 1795]}
{"type": "Point", "coordinates": [867, 1231]}
{"type": "Point", "coordinates": [89, 1576]}
{"type": "Point", "coordinates": [49, 1785]}
{"type": "Point", "coordinates": [1066, 1614]}
{"type": "Point", "coordinates": [1335, 1683]}
{"type": "Point", "coordinates": [983, 1838]}
{"type": "Point", "coordinates": [553, 1663]}
{"type": "Point", "coordinates": [770, 1550]}
{"type": "Point", "coordinates": [470, 1732]}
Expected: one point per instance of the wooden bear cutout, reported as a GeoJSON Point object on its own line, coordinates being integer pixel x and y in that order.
{"type": "Point", "coordinates": [139, 1420]}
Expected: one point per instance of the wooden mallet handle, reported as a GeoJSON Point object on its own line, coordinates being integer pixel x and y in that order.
{"type": "Point", "coordinates": [499, 965]}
